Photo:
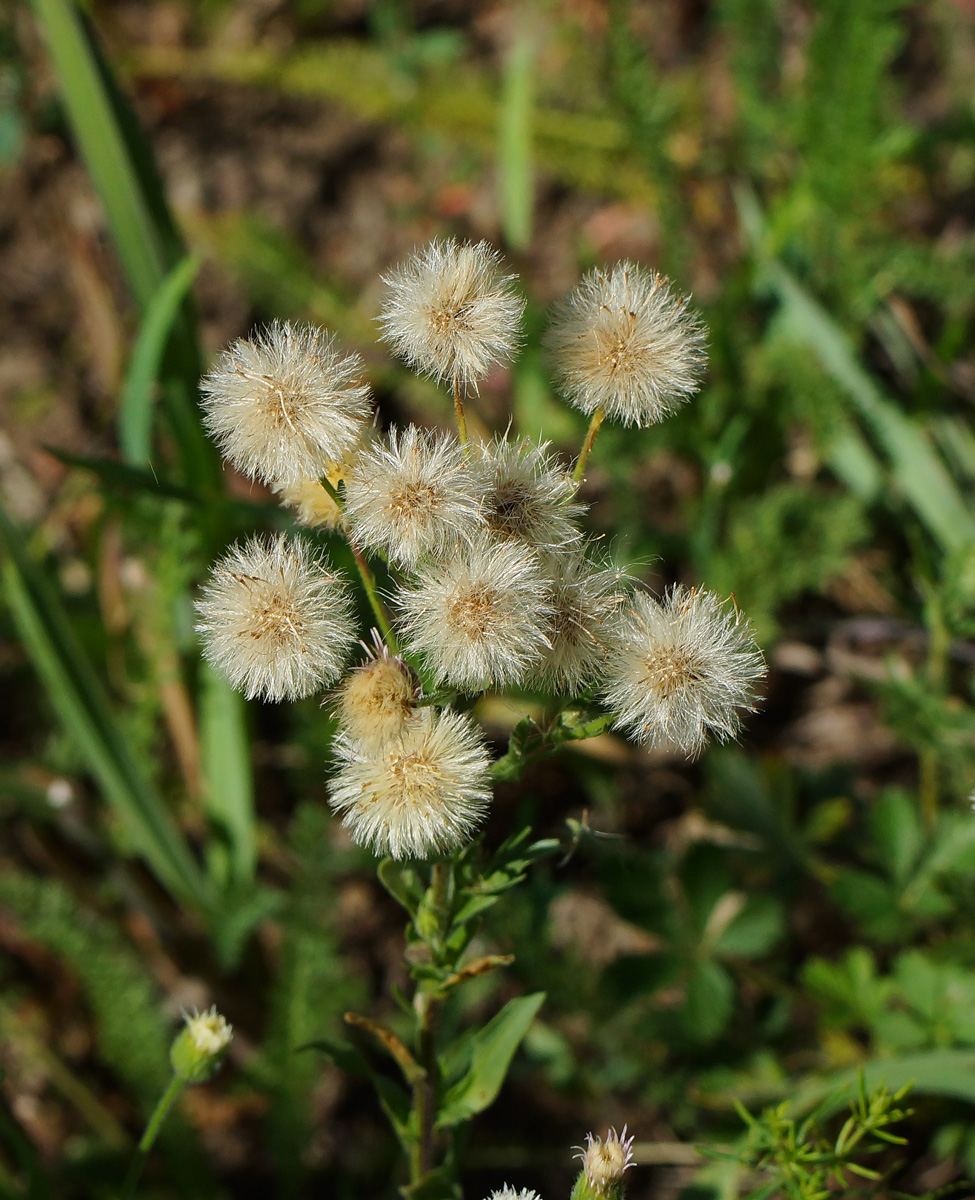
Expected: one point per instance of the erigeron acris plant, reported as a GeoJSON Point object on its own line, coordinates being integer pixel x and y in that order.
{"type": "Point", "coordinates": [493, 585]}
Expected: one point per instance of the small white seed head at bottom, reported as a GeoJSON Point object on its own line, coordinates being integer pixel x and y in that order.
{"type": "Point", "coordinates": [603, 1162]}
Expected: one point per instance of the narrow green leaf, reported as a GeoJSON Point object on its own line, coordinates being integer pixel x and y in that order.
{"type": "Point", "coordinates": [229, 794]}
{"type": "Point", "coordinates": [492, 1049]}
{"type": "Point", "coordinates": [103, 146]}
{"type": "Point", "coordinates": [77, 695]}
{"type": "Point", "coordinates": [119, 161]}
{"type": "Point", "coordinates": [918, 469]}
{"type": "Point", "coordinates": [515, 144]}
{"type": "Point", "coordinates": [138, 392]}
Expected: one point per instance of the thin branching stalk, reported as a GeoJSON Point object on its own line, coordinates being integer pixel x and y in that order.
{"type": "Point", "coordinates": [461, 419]}
{"type": "Point", "coordinates": [159, 1114]}
{"type": "Point", "coordinates": [580, 470]}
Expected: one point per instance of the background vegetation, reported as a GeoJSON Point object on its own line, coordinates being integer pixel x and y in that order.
{"type": "Point", "coordinates": [755, 927]}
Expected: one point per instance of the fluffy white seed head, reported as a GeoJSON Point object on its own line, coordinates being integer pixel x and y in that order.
{"type": "Point", "coordinates": [284, 404]}
{"type": "Point", "coordinates": [275, 620]}
{"type": "Point", "coordinates": [526, 495]}
{"type": "Point", "coordinates": [478, 619]}
{"type": "Point", "coordinates": [419, 793]}
{"type": "Point", "coordinates": [412, 495]}
{"type": "Point", "coordinates": [684, 667]}
{"type": "Point", "coordinates": [604, 1162]}
{"type": "Point", "coordinates": [376, 699]}
{"type": "Point", "coordinates": [510, 1193]}
{"type": "Point", "coordinates": [624, 342]}
{"type": "Point", "coordinates": [585, 600]}
{"type": "Point", "coordinates": [451, 313]}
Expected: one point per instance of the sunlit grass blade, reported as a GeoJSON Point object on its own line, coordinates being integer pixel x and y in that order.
{"type": "Point", "coordinates": [120, 164]}
{"type": "Point", "coordinates": [78, 698]}
{"type": "Point", "coordinates": [229, 794]}
{"type": "Point", "coordinates": [515, 181]}
{"type": "Point", "coordinates": [138, 393]}
{"type": "Point", "coordinates": [917, 469]}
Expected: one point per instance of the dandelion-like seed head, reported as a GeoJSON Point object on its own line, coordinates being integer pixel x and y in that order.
{"type": "Point", "coordinates": [450, 312]}
{"type": "Point", "coordinates": [683, 667]}
{"type": "Point", "coordinates": [478, 618]}
{"type": "Point", "coordinates": [585, 600]}
{"type": "Point", "coordinates": [421, 792]}
{"type": "Point", "coordinates": [605, 1161]}
{"type": "Point", "coordinates": [376, 699]}
{"type": "Point", "coordinates": [526, 495]}
{"type": "Point", "coordinates": [284, 404]}
{"type": "Point", "coordinates": [623, 342]}
{"type": "Point", "coordinates": [412, 495]}
{"type": "Point", "coordinates": [275, 620]}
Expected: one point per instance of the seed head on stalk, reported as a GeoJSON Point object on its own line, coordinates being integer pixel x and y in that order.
{"type": "Point", "coordinates": [682, 668]}
{"type": "Point", "coordinates": [451, 312]}
{"type": "Point", "coordinates": [411, 495]}
{"type": "Point", "coordinates": [420, 792]}
{"type": "Point", "coordinates": [275, 620]}
{"type": "Point", "coordinates": [624, 344]}
{"type": "Point", "coordinates": [284, 405]}
{"type": "Point", "coordinates": [478, 618]}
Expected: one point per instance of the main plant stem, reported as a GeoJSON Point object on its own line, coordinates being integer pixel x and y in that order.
{"type": "Point", "coordinates": [461, 419]}
{"type": "Point", "coordinates": [166, 1101]}
{"type": "Point", "coordinates": [426, 1005]}
{"type": "Point", "coordinates": [597, 420]}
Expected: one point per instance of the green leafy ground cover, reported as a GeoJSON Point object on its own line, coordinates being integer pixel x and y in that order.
{"type": "Point", "coordinates": [752, 929]}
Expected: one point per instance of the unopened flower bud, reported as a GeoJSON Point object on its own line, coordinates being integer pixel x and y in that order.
{"type": "Point", "coordinates": [603, 1164]}
{"type": "Point", "coordinates": [200, 1046]}
{"type": "Point", "coordinates": [376, 699]}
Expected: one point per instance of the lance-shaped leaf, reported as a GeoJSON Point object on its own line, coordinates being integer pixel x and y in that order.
{"type": "Point", "coordinates": [492, 1049]}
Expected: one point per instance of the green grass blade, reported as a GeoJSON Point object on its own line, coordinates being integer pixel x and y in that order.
{"type": "Point", "coordinates": [103, 147]}
{"type": "Point", "coordinates": [917, 469]}
{"type": "Point", "coordinates": [138, 392]}
{"type": "Point", "coordinates": [79, 700]}
{"type": "Point", "coordinates": [120, 164]}
{"type": "Point", "coordinates": [516, 181]}
{"type": "Point", "coordinates": [227, 770]}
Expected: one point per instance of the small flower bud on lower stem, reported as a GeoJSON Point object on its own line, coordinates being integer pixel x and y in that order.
{"type": "Point", "coordinates": [603, 1164]}
{"type": "Point", "coordinates": [199, 1048]}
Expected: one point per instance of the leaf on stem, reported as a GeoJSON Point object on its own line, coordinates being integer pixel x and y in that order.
{"type": "Point", "coordinates": [492, 1049]}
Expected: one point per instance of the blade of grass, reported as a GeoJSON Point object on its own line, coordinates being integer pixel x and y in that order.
{"type": "Point", "coordinates": [120, 164]}
{"type": "Point", "coordinates": [229, 794]}
{"type": "Point", "coordinates": [515, 181]}
{"type": "Point", "coordinates": [918, 470]}
{"type": "Point", "coordinates": [138, 392]}
{"type": "Point", "coordinates": [79, 700]}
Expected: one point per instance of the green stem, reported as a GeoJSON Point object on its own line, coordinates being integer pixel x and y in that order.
{"type": "Point", "coordinates": [375, 603]}
{"type": "Point", "coordinates": [461, 419]}
{"type": "Point", "coordinates": [332, 491]}
{"type": "Point", "coordinates": [522, 751]}
{"type": "Point", "coordinates": [366, 575]}
{"type": "Point", "coordinates": [426, 1006]}
{"type": "Point", "coordinates": [166, 1101]}
{"type": "Point", "coordinates": [597, 420]}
